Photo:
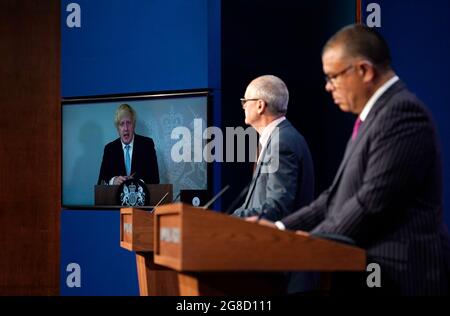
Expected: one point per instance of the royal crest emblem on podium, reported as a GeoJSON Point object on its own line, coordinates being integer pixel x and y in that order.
{"type": "Point", "coordinates": [133, 192]}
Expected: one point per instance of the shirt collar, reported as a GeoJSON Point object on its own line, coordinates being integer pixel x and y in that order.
{"type": "Point", "coordinates": [374, 98]}
{"type": "Point", "coordinates": [267, 131]}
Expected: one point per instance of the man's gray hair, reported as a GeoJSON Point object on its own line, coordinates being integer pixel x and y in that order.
{"type": "Point", "coordinates": [273, 91]}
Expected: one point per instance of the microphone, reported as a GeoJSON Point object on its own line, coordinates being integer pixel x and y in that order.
{"type": "Point", "coordinates": [241, 195]}
{"type": "Point", "coordinates": [157, 204]}
{"type": "Point", "coordinates": [215, 197]}
{"type": "Point", "coordinates": [178, 195]}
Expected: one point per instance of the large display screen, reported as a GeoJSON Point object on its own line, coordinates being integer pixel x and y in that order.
{"type": "Point", "coordinates": [88, 125]}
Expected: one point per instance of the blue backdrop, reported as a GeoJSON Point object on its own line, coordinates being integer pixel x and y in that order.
{"type": "Point", "coordinates": [91, 239]}
{"type": "Point", "coordinates": [134, 46]}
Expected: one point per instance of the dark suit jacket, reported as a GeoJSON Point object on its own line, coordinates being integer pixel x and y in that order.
{"type": "Point", "coordinates": [292, 184]}
{"type": "Point", "coordinates": [143, 163]}
{"type": "Point", "coordinates": [387, 196]}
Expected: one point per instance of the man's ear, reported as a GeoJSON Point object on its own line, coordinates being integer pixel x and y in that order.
{"type": "Point", "coordinates": [261, 106]}
{"type": "Point", "coordinates": [367, 71]}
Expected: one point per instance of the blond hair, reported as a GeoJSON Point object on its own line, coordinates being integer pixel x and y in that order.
{"type": "Point", "coordinates": [124, 110]}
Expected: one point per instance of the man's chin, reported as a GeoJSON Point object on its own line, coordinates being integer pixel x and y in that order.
{"type": "Point", "coordinates": [344, 107]}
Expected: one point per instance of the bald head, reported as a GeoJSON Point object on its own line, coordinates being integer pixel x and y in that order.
{"type": "Point", "coordinates": [273, 91]}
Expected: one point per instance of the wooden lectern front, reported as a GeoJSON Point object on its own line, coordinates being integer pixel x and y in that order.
{"type": "Point", "coordinates": [216, 254]}
{"type": "Point", "coordinates": [136, 234]}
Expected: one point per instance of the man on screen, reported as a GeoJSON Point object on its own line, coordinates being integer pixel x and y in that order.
{"type": "Point", "coordinates": [130, 155]}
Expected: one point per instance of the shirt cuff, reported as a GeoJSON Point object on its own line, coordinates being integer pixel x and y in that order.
{"type": "Point", "coordinates": [280, 225]}
{"type": "Point", "coordinates": [111, 182]}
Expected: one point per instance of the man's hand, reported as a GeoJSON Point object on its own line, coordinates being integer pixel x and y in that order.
{"type": "Point", "coordinates": [264, 222]}
{"type": "Point", "coordinates": [119, 180]}
{"type": "Point", "coordinates": [302, 233]}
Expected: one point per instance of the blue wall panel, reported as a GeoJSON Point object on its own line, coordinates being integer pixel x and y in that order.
{"type": "Point", "coordinates": [91, 239]}
{"type": "Point", "coordinates": [417, 33]}
{"type": "Point", "coordinates": [135, 45]}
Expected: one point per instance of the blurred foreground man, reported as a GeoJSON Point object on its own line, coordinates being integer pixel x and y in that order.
{"type": "Point", "coordinates": [387, 193]}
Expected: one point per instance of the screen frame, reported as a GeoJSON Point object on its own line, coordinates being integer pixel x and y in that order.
{"type": "Point", "coordinates": [124, 97]}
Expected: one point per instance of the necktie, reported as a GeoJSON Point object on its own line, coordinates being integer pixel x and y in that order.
{"type": "Point", "coordinates": [356, 128]}
{"type": "Point", "coordinates": [127, 159]}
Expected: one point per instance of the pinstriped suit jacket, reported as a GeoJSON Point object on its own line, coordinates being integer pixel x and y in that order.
{"type": "Point", "coordinates": [387, 196]}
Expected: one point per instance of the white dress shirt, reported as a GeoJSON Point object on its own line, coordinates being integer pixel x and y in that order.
{"type": "Point", "coordinates": [374, 98]}
{"type": "Point", "coordinates": [267, 131]}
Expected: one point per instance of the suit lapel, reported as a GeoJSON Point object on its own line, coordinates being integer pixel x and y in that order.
{"type": "Point", "coordinates": [120, 153]}
{"type": "Point", "coordinates": [365, 126]}
{"type": "Point", "coordinates": [343, 162]}
{"type": "Point", "coordinates": [255, 176]}
{"type": "Point", "coordinates": [135, 154]}
{"type": "Point", "coordinates": [257, 172]}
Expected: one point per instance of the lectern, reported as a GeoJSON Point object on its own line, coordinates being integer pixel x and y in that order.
{"type": "Point", "coordinates": [136, 234]}
{"type": "Point", "coordinates": [216, 254]}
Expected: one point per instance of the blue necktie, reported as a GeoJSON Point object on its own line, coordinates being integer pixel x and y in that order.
{"type": "Point", "coordinates": [127, 159]}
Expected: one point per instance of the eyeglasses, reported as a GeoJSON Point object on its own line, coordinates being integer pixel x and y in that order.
{"type": "Point", "coordinates": [243, 101]}
{"type": "Point", "coordinates": [331, 79]}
